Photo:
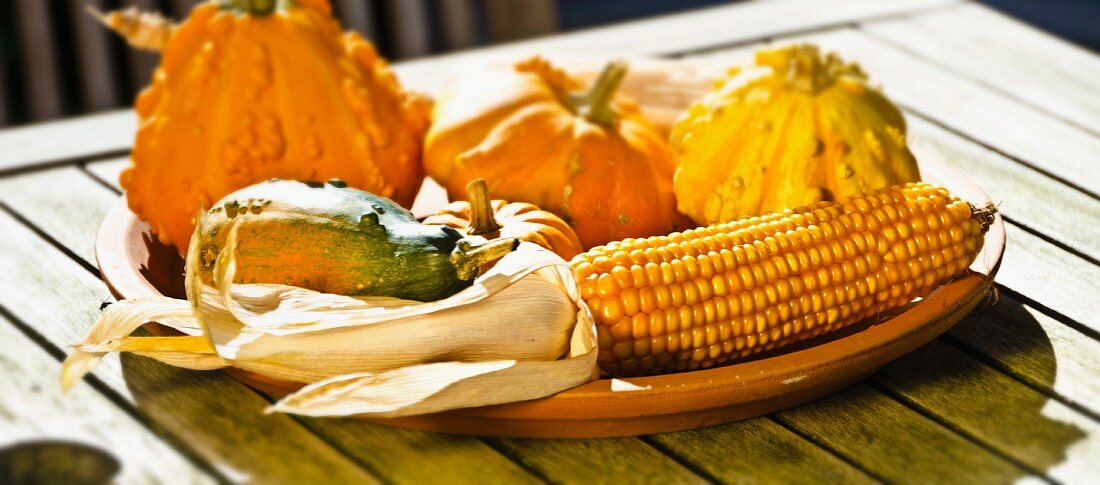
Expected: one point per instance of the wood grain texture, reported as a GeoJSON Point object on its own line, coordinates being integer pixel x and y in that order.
{"type": "Point", "coordinates": [1004, 54]}
{"type": "Point", "coordinates": [1044, 435]}
{"type": "Point", "coordinates": [1051, 276]}
{"type": "Point", "coordinates": [665, 35]}
{"type": "Point", "coordinates": [106, 171]}
{"type": "Point", "coordinates": [215, 416]}
{"type": "Point", "coordinates": [610, 460]}
{"type": "Point", "coordinates": [1025, 196]}
{"type": "Point", "coordinates": [414, 457]}
{"type": "Point", "coordinates": [894, 442]}
{"type": "Point", "coordinates": [85, 201]}
{"type": "Point", "coordinates": [34, 409]}
{"type": "Point", "coordinates": [80, 137]}
{"type": "Point", "coordinates": [70, 216]}
{"type": "Point", "coordinates": [1036, 349]}
{"type": "Point", "coordinates": [758, 450]}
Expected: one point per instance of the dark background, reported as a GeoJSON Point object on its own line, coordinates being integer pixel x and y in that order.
{"type": "Point", "coordinates": [56, 62]}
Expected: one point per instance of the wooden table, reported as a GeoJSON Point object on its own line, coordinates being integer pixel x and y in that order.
{"type": "Point", "coordinates": [1011, 392]}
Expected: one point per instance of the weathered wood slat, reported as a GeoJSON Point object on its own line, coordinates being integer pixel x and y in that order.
{"type": "Point", "coordinates": [760, 448]}
{"type": "Point", "coordinates": [895, 442]}
{"type": "Point", "coordinates": [107, 171]}
{"type": "Point", "coordinates": [1017, 421]}
{"type": "Point", "coordinates": [1051, 277]}
{"type": "Point", "coordinates": [71, 216]}
{"type": "Point", "coordinates": [85, 136]}
{"type": "Point", "coordinates": [407, 456]}
{"type": "Point", "coordinates": [672, 34]}
{"type": "Point", "coordinates": [98, 82]}
{"type": "Point", "coordinates": [84, 203]}
{"type": "Point", "coordinates": [215, 416]}
{"type": "Point", "coordinates": [1036, 349]}
{"type": "Point", "coordinates": [612, 460]}
{"type": "Point", "coordinates": [1004, 54]}
{"type": "Point", "coordinates": [39, 66]}
{"type": "Point", "coordinates": [33, 409]}
{"type": "Point", "coordinates": [1022, 194]}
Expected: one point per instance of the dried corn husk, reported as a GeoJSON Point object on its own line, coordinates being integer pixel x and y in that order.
{"type": "Point", "coordinates": [520, 332]}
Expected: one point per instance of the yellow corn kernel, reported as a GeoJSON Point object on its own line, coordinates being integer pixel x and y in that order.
{"type": "Point", "coordinates": [712, 295]}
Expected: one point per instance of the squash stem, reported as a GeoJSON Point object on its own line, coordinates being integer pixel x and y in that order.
{"type": "Point", "coordinates": [595, 106]}
{"type": "Point", "coordinates": [468, 258]}
{"type": "Point", "coordinates": [258, 8]}
{"type": "Point", "coordinates": [481, 209]}
{"type": "Point", "coordinates": [985, 215]}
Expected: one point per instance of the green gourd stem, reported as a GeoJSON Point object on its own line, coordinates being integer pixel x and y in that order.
{"type": "Point", "coordinates": [595, 105]}
{"type": "Point", "coordinates": [257, 8]}
{"type": "Point", "coordinates": [468, 258]}
{"type": "Point", "coordinates": [481, 209]}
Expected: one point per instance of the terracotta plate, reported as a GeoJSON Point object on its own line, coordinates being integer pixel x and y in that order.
{"type": "Point", "coordinates": [134, 265]}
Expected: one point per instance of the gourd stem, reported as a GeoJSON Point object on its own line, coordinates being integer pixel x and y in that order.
{"type": "Point", "coordinates": [985, 215]}
{"type": "Point", "coordinates": [253, 7]}
{"type": "Point", "coordinates": [481, 209]}
{"type": "Point", "coordinates": [468, 258]}
{"type": "Point", "coordinates": [595, 105]}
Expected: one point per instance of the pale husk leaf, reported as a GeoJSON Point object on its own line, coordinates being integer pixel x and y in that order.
{"type": "Point", "coordinates": [520, 332]}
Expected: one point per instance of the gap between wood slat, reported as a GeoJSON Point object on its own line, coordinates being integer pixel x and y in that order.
{"type": "Point", "coordinates": [947, 424]}
{"type": "Point", "coordinates": [912, 111]}
{"type": "Point", "coordinates": [1018, 377]}
{"type": "Point", "coordinates": [35, 410]}
{"type": "Point", "coordinates": [113, 396]}
{"type": "Point", "coordinates": [945, 38]}
{"type": "Point", "coordinates": [1050, 240]}
{"type": "Point", "coordinates": [774, 417]}
{"type": "Point", "coordinates": [674, 456]}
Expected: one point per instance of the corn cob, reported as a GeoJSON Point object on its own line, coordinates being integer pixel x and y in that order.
{"type": "Point", "coordinates": [708, 296]}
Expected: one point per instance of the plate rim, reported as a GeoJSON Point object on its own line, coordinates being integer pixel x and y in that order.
{"type": "Point", "coordinates": [643, 401]}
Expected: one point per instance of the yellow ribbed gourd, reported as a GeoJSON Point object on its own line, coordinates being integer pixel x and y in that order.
{"type": "Point", "coordinates": [708, 296]}
{"type": "Point", "coordinates": [797, 128]}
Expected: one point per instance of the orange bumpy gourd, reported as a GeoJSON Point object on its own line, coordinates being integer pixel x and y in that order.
{"type": "Point", "coordinates": [250, 90]}
{"type": "Point", "coordinates": [479, 216]}
{"type": "Point", "coordinates": [797, 128]}
{"type": "Point", "coordinates": [591, 158]}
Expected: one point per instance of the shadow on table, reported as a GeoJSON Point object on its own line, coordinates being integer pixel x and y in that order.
{"type": "Point", "coordinates": [961, 380]}
{"type": "Point", "coordinates": [36, 462]}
